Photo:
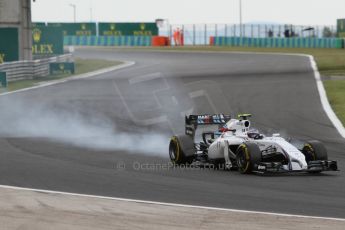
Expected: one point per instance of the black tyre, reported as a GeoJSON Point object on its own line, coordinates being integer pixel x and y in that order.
{"type": "Point", "coordinates": [314, 151]}
{"type": "Point", "coordinates": [248, 155]}
{"type": "Point", "coordinates": [181, 149]}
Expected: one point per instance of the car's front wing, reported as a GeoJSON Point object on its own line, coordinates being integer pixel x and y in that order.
{"type": "Point", "coordinates": [313, 166]}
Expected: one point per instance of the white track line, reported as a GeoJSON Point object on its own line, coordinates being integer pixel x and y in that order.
{"type": "Point", "coordinates": [76, 77]}
{"type": "Point", "coordinates": [147, 77]}
{"type": "Point", "coordinates": [170, 204]}
{"type": "Point", "coordinates": [324, 100]}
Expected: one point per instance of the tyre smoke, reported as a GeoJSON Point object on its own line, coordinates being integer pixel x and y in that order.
{"type": "Point", "coordinates": [28, 119]}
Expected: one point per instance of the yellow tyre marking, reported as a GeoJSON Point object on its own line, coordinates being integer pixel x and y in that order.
{"type": "Point", "coordinates": [311, 150]}
{"type": "Point", "coordinates": [247, 157]}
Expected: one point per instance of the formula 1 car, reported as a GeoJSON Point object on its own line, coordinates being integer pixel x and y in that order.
{"type": "Point", "coordinates": [232, 143]}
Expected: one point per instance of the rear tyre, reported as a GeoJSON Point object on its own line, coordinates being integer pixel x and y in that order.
{"type": "Point", "coordinates": [181, 149]}
{"type": "Point", "coordinates": [314, 151]}
{"type": "Point", "coordinates": [248, 155]}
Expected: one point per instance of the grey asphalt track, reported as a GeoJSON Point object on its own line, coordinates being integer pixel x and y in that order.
{"type": "Point", "coordinates": [150, 97]}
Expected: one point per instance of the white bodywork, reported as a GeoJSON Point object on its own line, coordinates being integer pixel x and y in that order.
{"type": "Point", "coordinates": [219, 149]}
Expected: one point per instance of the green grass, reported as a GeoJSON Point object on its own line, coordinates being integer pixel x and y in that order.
{"type": "Point", "coordinates": [336, 95]}
{"type": "Point", "coordinates": [81, 66]}
{"type": "Point", "coordinates": [88, 65]}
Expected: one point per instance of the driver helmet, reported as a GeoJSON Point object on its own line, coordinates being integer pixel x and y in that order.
{"type": "Point", "coordinates": [253, 133]}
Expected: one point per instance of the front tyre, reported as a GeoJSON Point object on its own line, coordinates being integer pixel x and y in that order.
{"type": "Point", "coordinates": [314, 151]}
{"type": "Point", "coordinates": [181, 149]}
{"type": "Point", "coordinates": [248, 155]}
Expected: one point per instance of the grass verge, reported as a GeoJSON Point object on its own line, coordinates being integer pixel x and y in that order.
{"type": "Point", "coordinates": [81, 66]}
{"type": "Point", "coordinates": [336, 95]}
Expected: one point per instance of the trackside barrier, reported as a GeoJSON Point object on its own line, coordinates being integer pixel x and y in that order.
{"type": "Point", "coordinates": [335, 43]}
{"type": "Point", "coordinates": [107, 40]}
{"type": "Point", "coordinates": [20, 70]}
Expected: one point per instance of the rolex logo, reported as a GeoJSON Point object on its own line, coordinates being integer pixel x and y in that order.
{"type": "Point", "coordinates": [83, 26]}
{"type": "Point", "coordinates": [142, 26]}
{"type": "Point", "coordinates": [36, 35]}
{"type": "Point", "coordinates": [62, 66]}
{"type": "Point", "coordinates": [112, 26]}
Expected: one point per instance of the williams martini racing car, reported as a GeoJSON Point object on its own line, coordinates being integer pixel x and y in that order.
{"type": "Point", "coordinates": [218, 140]}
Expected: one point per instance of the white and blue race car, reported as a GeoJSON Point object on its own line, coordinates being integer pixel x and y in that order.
{"type": "Point", "coordinates": [232, 143]}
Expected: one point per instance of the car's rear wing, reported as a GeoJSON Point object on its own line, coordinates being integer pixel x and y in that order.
{"type": "Point", "coordinates": [193, 121]}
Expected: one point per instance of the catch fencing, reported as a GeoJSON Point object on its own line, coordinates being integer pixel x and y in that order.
{"type": "Point", "coordinates": [331, 43]}
{"type": "Point", "coordinates": [200, 34]}
{"type": "Point", "coordinates": [20, 70]}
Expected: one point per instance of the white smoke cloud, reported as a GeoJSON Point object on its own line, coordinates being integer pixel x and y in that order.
{"type": "Point", "coordinates": [31, 120]}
